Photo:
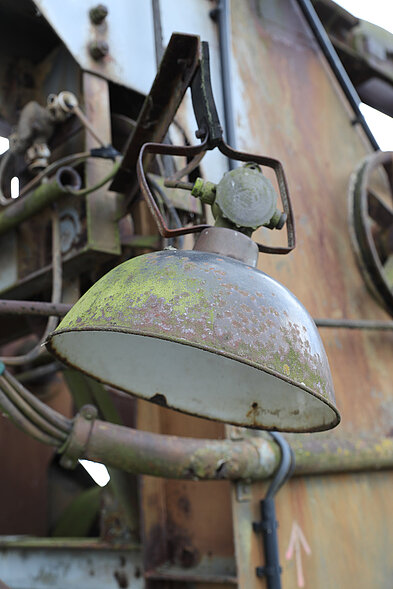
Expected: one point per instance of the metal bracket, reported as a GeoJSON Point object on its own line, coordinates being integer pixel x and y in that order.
{"type": "Point", "coordinates": [76, 443]}
{"type": "Point", "coordinates": [210, 132]}
{"type": "Point", "coordinates": [203, 102]}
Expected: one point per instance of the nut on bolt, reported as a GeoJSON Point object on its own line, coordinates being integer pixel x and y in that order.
{"type": "Point", "coordinates": [98, 49]}
{"type": "Point", "coordinates": [98, 14]}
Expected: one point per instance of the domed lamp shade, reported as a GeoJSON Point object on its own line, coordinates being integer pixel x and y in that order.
{"type": "Point", "coordinates": [205, 334]}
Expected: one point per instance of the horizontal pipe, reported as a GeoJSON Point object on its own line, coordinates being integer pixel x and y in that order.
{"type": "Point", "coordinates": [66, 181]}
{"type": "Point", "coordinates": [15, 307]}
{"type": "Point", "coordinates": [140, 452]}
{"type": "Point", "coordinates": [329, 453]}
{"type": "Point", "coordinates": [355, 324]}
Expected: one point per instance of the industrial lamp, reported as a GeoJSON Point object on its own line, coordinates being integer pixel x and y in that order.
{"type": "Point", "coordinates": [204, 331]}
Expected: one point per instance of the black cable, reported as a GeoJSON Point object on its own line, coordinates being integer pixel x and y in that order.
{"type": "Point", "coordinates": [286, 466]}
{"type": "Point", "coordinates": [337, 66]}
{"type": "Point", "coordinates": [268, 524]}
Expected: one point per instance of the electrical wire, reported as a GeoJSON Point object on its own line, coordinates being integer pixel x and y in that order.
{"type": "Point", "coordinates": [286, 466]}
{"type": "Point", "coordinates": [57, 275]}
{"type": "Point", "coordinates": [58, 421]}
{"type": "Point", "coordinates": [30, 414]}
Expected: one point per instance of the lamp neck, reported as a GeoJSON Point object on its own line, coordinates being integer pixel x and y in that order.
{"type": "Point", "coordinates": [228, 242]}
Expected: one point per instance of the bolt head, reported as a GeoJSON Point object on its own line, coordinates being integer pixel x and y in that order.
{"type": "Point", "coordinates": [98, 49]}
{"type": "Point", "coordinates": [98, 14]}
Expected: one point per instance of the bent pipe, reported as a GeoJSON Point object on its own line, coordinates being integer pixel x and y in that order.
{"type": "Point", "coordinates": [174, 457]}
{"type": "Point", "coordinates": [66, 181]}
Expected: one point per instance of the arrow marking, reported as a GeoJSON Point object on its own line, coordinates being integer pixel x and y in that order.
{"type": "Point", "coordinates": [296, 541]}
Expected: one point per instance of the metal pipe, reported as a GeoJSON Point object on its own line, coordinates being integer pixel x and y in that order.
{"type": "Point", "coordinates": [336, 65]}
{"type": "Point", "coordinates": [223, 14]}
{"type": "Point", "coordinates": [66, 181]}
{"type": "Point", "coordinates": [323, 453]}
{"type": "Point", "coordinates": [14, 307]}
{"type": "Point", "coordinates": [355, 324]}
{"type": "Point", "coordinates": [140, 452]}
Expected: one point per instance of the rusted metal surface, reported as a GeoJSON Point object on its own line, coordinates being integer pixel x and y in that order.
{"type": "Point", "coordinates": [340, 517]}
{"type": "Point", "coordinates": [314, 121]}
{"type": "Point", "coordinates": [159, 109]}
{"type": "Point", "coordinates": [70, 564]}
{"type": "Point", "coordinates": [342, 453]}
{"type": "Point", "coordinates": [101, 209]}
{"type": "Point", "coordinates": [175, 457]}
{"type": "Point", "coordinates": [189, 298]}
{"type": "Point", "coordinates": [127, 30]}
{"type": "Point", "coordinates": [364, 49]}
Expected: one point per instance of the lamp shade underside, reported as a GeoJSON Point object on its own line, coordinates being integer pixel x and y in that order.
{"type": "Point", "coordinates": [206, 335]}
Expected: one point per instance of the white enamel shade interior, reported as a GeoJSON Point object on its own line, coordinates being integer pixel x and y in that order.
{"type": "Point", "coordinates": [194, 381]}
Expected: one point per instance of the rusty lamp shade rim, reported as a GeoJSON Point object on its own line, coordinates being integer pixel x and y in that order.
{"type": "Point", "coordinates": [267, 370]}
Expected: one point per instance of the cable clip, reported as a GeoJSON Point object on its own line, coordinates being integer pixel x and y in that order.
{"type": "Point", "coordinates": [76, 444]}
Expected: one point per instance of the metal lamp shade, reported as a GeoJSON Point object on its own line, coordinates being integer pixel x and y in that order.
{"type": "Point", "coordinates": [204, 334]}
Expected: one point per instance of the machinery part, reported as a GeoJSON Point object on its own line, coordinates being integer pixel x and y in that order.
{"type": "Point", "coordinates": [178, 66]}
{"type": "Point", "coordinates": [371, 222]}
{"type": "Point", "coordinates": [243, 200]}
{"type": "Point", "coordinates": [161, 148]}
{"type": "Point", "coordinates": [354, 324]}
{"type": "Point", "coordinates": [35, 125]}
{"type": "Point", "coordinates": [140, 452]}
{"type": "Point", "coordinates": [66, 103]}
{"type": "Point", "coordinates": [66, 181]}
{"type": "Point", "coordinates": [336, 65]}
{"type": "Point", "coordinates": [70, 229]}
{"type": "Point", "coordinates": [210, 131]}
{"type": "Point", "coordinates": [33, 308]}
{"type": "Point", "coordinates": [57, 286]}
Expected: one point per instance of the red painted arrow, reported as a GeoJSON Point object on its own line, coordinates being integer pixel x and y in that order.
{"type": "Point", "coordinates": [296, 541]}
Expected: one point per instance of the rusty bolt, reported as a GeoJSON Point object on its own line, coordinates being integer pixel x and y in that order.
{"type": "Point", "coordinates": [98, 49]}
{"type": "Point", "coordinates": [89, 412]}
{"type": "Point", "coordinates": [98, 14]}
{"type": "Point", "coordinates": [200, 133]}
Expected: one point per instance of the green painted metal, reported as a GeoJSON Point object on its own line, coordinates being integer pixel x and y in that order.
{"type": "Point", "coordinates": [26, 207]}
{"type": "Point", "coordinates": [77, 519]}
